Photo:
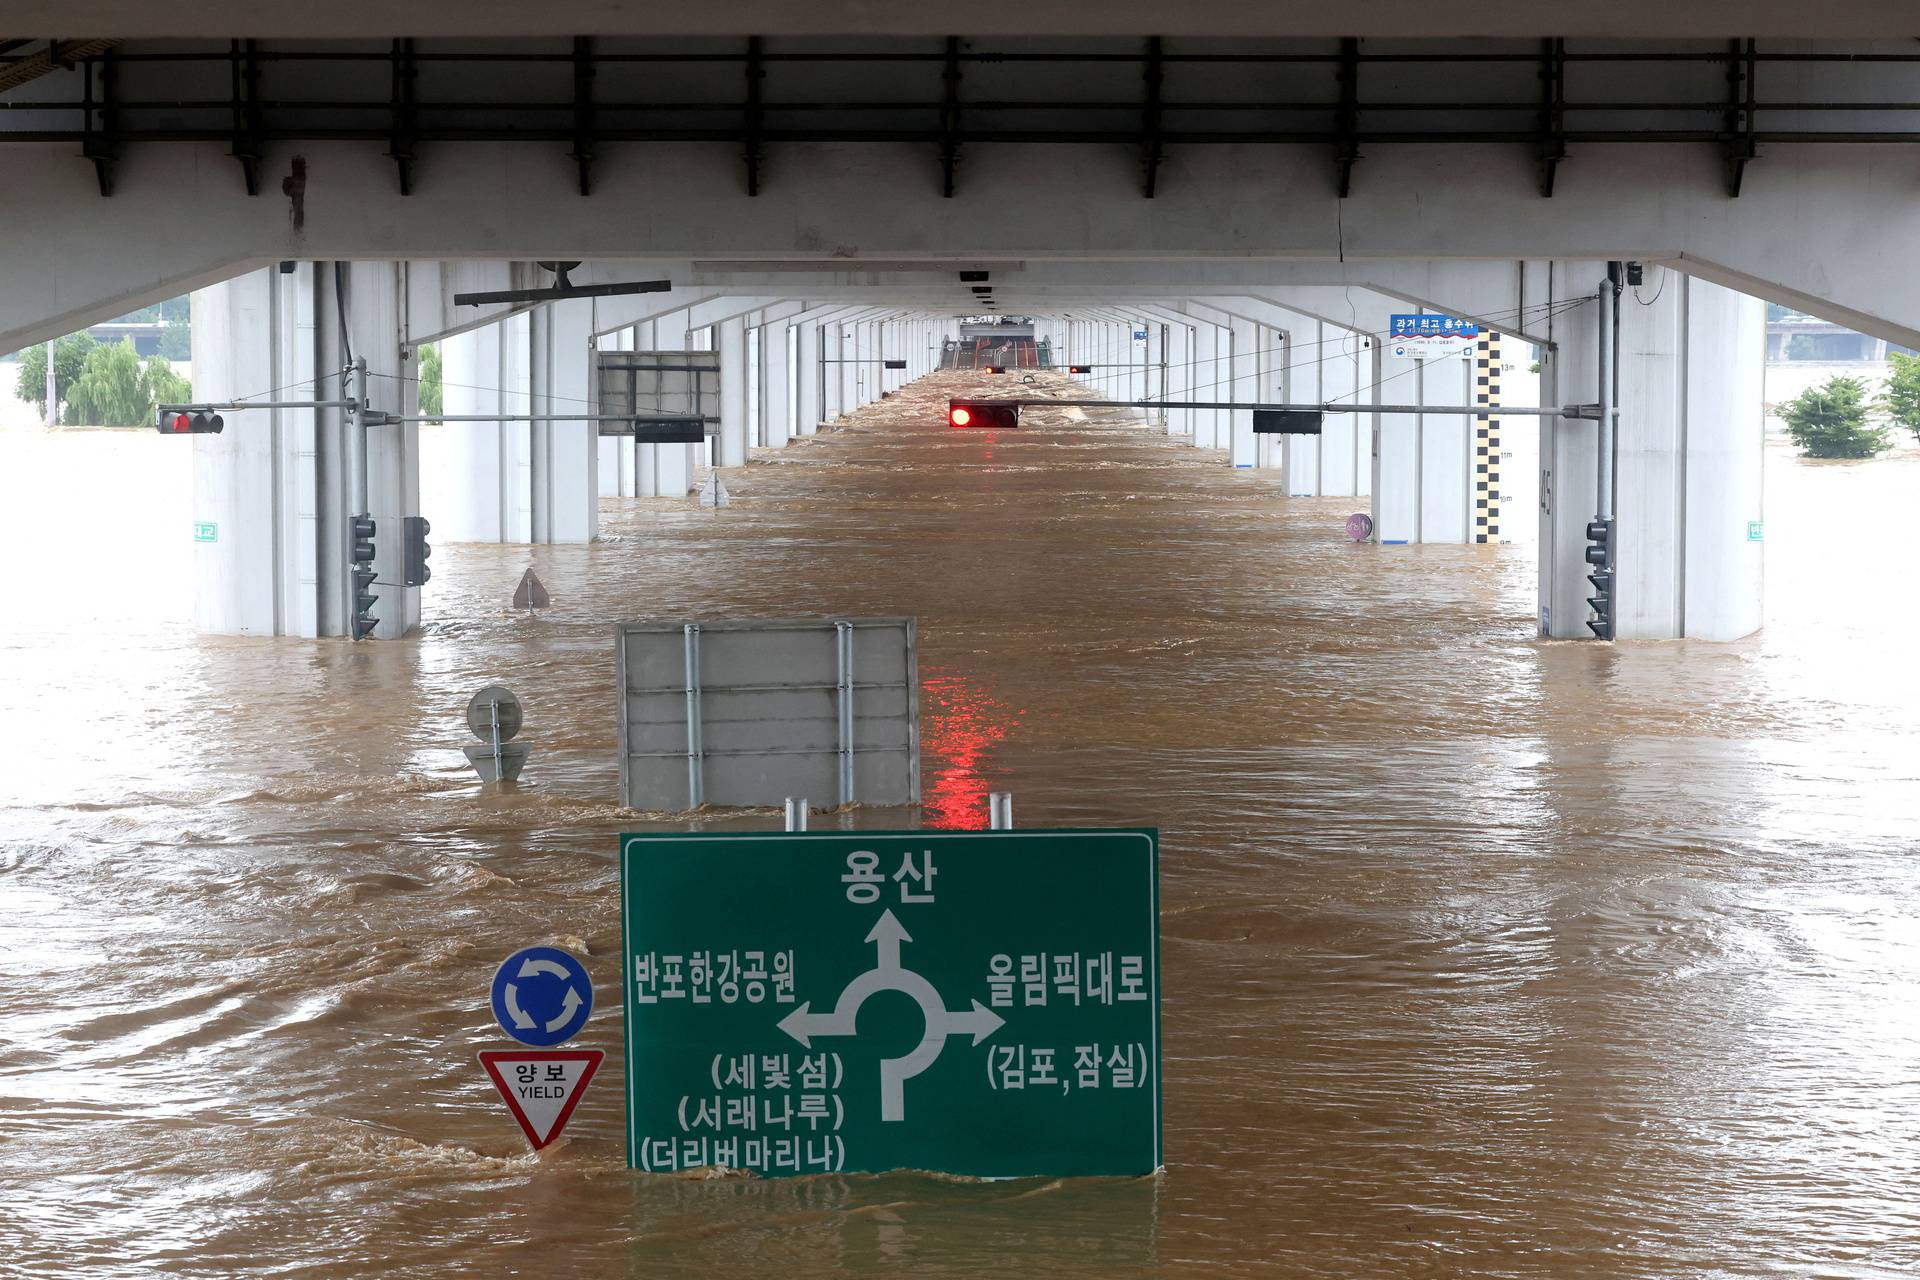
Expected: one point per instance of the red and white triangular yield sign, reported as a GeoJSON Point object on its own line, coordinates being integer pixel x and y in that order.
{"type": "Point", "coordinates": [541, 1086]}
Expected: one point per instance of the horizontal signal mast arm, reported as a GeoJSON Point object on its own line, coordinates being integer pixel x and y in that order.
{"type": "Point", "coordinates": [1497, 411]}
{"type": "Point", "coordinates": [231, 406]}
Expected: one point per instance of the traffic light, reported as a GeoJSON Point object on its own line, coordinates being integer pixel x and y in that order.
{"type": "Point", "coordinates": [1600, 556]}
{"type": "Point", "coordinates": [1079, 368]}
{"type": "Point", "coordinates": [363, 575]}
{"type": "Point", "coordinates": [413, 533]}
{"type": "Point", "coordinates": [189, 422]}
{"type": "Point", "coordinates": [991, 414]}
{"type": "Point", "coordinates": [993, 368]}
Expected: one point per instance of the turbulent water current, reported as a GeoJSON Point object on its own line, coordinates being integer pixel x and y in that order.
{"type": "Point", "coordinates": [1483, 955]}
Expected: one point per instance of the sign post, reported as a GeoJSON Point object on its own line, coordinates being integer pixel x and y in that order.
{"type": "Point", "coordinates": [975, 1002]}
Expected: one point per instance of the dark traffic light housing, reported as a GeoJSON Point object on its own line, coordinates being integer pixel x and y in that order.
{"type": "Point", "coordinates": [1600, 551]}
{"type": "Point", "coordinates": [413, 534]}
{"type": "Point", "coordinates": [189, 422]}
{"type": "Point", "coordinates": [989, 414]}
{"type": "Point", "coordinates": [363, 575]}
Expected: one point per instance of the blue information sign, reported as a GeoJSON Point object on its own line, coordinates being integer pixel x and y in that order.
{"type": "Point", "coordinates": [542, 996]}
{"type": "Point", "coordinates": [1430, 336]}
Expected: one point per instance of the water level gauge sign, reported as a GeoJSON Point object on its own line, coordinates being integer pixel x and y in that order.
{"type": "Point", "coordinates": [542, 996]}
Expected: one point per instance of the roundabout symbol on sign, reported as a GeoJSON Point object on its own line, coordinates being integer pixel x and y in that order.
{"type": "Point", "coordinates": [888, 975]}
{"type": "Point", "coordinates": [542, 996]}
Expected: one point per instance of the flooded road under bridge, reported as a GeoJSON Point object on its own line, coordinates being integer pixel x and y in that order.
{"type": "Point", "coordinates": [1482, 955]}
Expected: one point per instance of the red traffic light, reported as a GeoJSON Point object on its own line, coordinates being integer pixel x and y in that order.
{"type": "Point", "coordinates": [983, 414]}
{"type": "Point", "coordinates": [1079, 368]}
{"type": "Point", "coordinates": [994, 368]}
{"type": "Point", "coordinates": [189, 422]}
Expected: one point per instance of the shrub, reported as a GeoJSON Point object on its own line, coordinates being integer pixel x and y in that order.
{"type": "Point", "coordinates": [1830, 421]}
{"type": "Point", "coordinates": [1903, 391]}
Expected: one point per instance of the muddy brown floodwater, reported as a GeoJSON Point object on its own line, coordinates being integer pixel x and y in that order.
{"type": "Point", "coordinates": [1483, 956]}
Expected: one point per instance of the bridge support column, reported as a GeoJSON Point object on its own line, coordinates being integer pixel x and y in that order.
{"type": "Point", "coordinates": [1688, 496]}
{"type": "Point", "coordinates": [566, 455]}
{"type": "Point", "coordinates": [521, 481]}
{"type": "Point", "coordinates": [1242, 383]}
{"type": "Point", "coordinates": [1179, 348]}
{"type": "Point", "coordinates": [1206, 384]}
{"type": "Point", "coordinates": [274, 486]}
{"type": "Point", "coordinates": [489, 496]}
{"type": "Point", "coordinates": [1423, 462]}
{"type": "Point", "coordinates": [732, 336]}
{"type": "Point", "coordinates": [807, 376]}
{"type": "Point", "coordinates": [776, 387]}
{"type": "Point", "coordinates": [616, 452]}
{"type": "Point", "coordinates": [257, 484]}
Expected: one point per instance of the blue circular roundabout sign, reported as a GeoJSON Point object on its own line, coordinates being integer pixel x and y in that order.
{"type": "Point", "coordinates": [542, 996]}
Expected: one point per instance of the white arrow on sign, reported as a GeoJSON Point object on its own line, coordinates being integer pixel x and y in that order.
{"type": "Point", "coordinates": [888, 975]}
{"type": "Point", "coordinates": [568, 1008]}
{"type": "Point", "coordinates": [532, 968]}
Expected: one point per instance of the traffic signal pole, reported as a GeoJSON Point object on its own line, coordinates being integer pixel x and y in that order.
{"type": "Point", "coordinates": [1606, 603]}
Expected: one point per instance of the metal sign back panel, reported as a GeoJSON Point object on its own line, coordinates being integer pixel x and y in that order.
{"type": "Point", "coordinates": [683, 383]}
{"type": "Point", "coordinates": [751, 712]}
{"type": "Point", "coordinates": [974, 1002]}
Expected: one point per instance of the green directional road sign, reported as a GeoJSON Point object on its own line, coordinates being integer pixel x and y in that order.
{"type": "Point", "coordinates": [974, 1002]}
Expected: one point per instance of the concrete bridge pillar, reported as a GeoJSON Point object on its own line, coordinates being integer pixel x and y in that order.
{"type": "Point", "coordinates": [1688, 497]}
{"type": "Point", "coordinates": [1423, 463]}
{"type": "Point", "coordinates": [273, 487]}
{"type": "Point", "coordinates": [733, 392]}
{"type": "Point", "coordinates": [776, 382]}
{"type": "Point", "coordinates": [1324, 364]}
{"type": "Point", "coordinates": [1179, 353]}
{"type": "Point", "coordinates": [647, 466]}
{"type": "Point", "coordinates": [807, 369]}
{"type": "Point", "coordinates": [616, 452]}
{"type": "Point", "coordinates": [521, 481]}
{"type": "Point", "coordinates": [1208, 346]}
{"type": "Point", "coordinates": [566, 455]}
{"type": "Point", "coordinates": [489, 493]}
{"type": "Point", "coordinates": [1242, 383]}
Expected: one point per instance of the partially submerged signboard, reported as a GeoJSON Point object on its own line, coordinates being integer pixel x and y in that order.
{"type": "Point", "coordinates": [752, 712]}
{"type": "Point", "coordinates": [974, 1002]}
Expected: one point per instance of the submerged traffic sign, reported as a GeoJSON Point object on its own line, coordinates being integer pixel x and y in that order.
{"type": "Point", "coordinates": [541, 1086]}
{"type": "Point", "coordinates": [976, 1002]}
{"type": "Point", "coordinates": [542, 996]}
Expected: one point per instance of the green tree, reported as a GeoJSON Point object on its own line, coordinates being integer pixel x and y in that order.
{"type": "Point", "coordinates": [431, 400]}
{"type": "Point", "coordinates": [1903, 390]}
{"type": "Point", "coordinates": [118, 389]}
{"type": "Point", "coordinates": [165, 386]}
{"type": "Point", "coordinates": [69, 358]}
{"type": "Point", "coordinates": [176, 340]}
{"type": "Point", "coordinates": [1830, 421]}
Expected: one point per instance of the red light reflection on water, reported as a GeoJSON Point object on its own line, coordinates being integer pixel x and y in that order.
{"type": "Point", "coordinates": [959, 724]}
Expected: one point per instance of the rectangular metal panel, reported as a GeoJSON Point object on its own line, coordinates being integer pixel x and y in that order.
{"type": "Point", "coordinates": [1287, 422]}
{"type": "Point", "coordinates": [748, 713]}
{"type": "Point", "coordinates": [682, 384]}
